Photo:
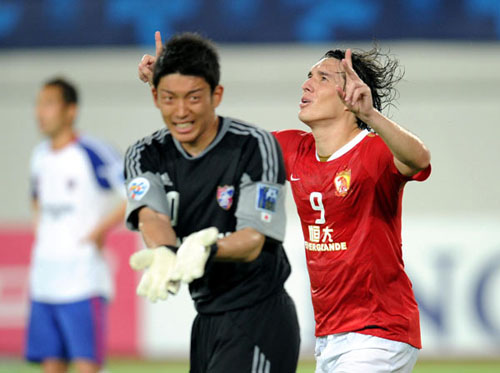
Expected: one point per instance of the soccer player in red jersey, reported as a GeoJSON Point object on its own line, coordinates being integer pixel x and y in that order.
{"type": "Point", "coordinates": [347, 177]}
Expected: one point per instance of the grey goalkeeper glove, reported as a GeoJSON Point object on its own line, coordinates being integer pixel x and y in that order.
{"type": "Point", "coordinates": [193, 254]}
{"type": "Point", "coordinates": [156, 281]}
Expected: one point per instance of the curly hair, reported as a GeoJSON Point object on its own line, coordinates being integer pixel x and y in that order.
{"type": "Point", "coordinates": [189, 54]}
{"type": "Point", "coordinates": [380, 71]}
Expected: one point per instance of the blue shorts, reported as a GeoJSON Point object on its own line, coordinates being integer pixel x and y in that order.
{"type": "Point", "coordinates": [67, 331]}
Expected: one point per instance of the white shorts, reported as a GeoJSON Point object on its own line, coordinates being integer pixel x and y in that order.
{"type": "Point", "coordinates": [360, 353]}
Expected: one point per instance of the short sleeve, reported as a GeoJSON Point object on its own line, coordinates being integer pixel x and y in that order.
{"type": "Point", "coordinates": [384, 163]}
{"type": "Point", "coordinates": [144, 190]}
{"type": "Point", "coordinates": [144, 186]}
{"type": "Point", "coordinates": [36, 158]}
{"type": "Point", "coordinates": [107, 164]}
{"type": "Point", "coordinates": [261, 201]}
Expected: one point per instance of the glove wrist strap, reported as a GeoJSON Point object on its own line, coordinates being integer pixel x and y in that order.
{"type": "Point", "coordinates": [172, 248]}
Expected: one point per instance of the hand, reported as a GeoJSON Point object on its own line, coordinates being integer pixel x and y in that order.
{"type": "Point", "coordinates": [193, 255]}
{"type": "Point", "coordinates": [356, 94]}
{"type": "Point", "coordinates": [156, 281]}
{"type": "Point", "coordinates": [147, 64]}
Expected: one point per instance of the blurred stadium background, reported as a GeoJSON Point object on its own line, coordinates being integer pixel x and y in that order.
{"type": "Point", "coordinates": [450, 97]}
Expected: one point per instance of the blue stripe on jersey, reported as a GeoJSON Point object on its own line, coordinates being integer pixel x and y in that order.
{"type": "Point", "coordinates": [97, 165]}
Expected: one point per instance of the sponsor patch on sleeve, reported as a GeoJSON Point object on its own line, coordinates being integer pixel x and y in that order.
{"type": "Point", "coordinates": [137, 188]}
{"type": "Point", "coordinates": [267, 198]}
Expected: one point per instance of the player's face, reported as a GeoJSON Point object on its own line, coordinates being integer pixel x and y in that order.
{"type": "Point", "coordinates": [320, 102]}
{"type": "Point", "coordinates": [188, 108]}
{"type": "Point", "coordinates": [52, 112]}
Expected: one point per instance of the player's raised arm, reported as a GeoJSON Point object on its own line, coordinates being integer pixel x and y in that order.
{"type": "Point", "coordinates": [410, 153]}
{"type": "Point", "coordinates": [147, 64]}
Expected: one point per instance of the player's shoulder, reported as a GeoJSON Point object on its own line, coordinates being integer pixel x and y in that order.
{"type": "Point", "coordinates": [151, 141]}
{"type": "Point", "coordinates": [373, 141]}
{"type": "Point", "coordinates": [38, 154]}
{"type": "Point", "coordinates": [291, 139]}
{"type": "Point", "coordinates": [40, 149]}
{"type": "Point", "coordinates": [248, 133]}
{"type": "Point", "coordinates": [92, 141]}
{"type": "Point", "coordinates": [291, 134]}
{"type": "Point", "coordinates": [243, 128]}
{"type": "Point", "coordinates": [98, 148]}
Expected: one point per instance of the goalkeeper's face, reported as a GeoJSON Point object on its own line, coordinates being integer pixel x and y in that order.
{"type": "Point", "coordinates": [188, 109]}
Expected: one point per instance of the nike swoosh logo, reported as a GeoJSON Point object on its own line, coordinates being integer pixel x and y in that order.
{"type": "Point", "coordinates": [294, 178]}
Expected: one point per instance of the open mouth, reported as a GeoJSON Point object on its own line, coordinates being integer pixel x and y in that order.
{"type": "Point", "coordinates": [184, 126]}
{"type": "Point", "coordinates": [304, 102]}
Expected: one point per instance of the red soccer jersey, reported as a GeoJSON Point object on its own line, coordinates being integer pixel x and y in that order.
{"type": "Point", "coordinates": [350, 211]}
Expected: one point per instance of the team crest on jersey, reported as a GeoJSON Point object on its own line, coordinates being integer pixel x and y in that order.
{"type": "Point", "coordinates": [342, 183]}
{"type": "Point", "coordinates": [225, 196]}
{"type": "Point", "coordinates": [267, 197]}
{"type": "Point", "coordinates": [137, 188]}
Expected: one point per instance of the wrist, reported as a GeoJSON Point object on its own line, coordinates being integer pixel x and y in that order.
{"type": "Point", "coordinates": [171, 248]}
{"type": "Point", "coordinates": [370, 117]}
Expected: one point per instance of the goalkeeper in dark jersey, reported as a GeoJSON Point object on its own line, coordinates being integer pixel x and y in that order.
{"type": "Point", "coordinates": [207, 194]}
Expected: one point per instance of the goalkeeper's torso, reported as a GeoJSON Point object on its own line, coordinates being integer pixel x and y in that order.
{"type": "Point", "coordinates": [237, 182]}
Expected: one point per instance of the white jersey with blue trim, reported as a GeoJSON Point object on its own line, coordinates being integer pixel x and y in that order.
{"type": "Point", "coordinates": [72, 188]}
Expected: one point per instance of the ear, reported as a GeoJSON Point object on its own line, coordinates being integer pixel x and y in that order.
{"type": "Point", "coordinates": [217, 96]}
{"type": "Point", "coordinates": [72, 111]}
{"type": "Point", "coordinates": [154, 93]}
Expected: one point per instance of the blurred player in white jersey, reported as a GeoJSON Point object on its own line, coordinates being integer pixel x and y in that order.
{"type": "Point", "coordinates": [78, 196]}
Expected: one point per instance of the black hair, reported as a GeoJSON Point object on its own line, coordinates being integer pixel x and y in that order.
{"type": "Point", "coordinates": [189, 54]}
{"type": "Point", "coordinates": [379, 71]}
{"type": "Point", "coordinates": [68, 90]}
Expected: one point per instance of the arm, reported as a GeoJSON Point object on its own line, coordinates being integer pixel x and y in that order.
{"type": "Point", "coordinates": [410, 154]}
{"type": "Point", "coordinates": [157, 232]}
{"type": "Point", "coordinates": [156, 228]}
{"type": "Point", "coordinates": [36, 212]}
{"type": "Point", "coordinates": [244, 245]}
{"type": "Point", "coordinates": [114, 218]}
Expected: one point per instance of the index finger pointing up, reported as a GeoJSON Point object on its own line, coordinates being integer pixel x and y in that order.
{"type": "Point", "coordinates": [347, 62]}
{"type": "Point", "coordinates": [158, 43]}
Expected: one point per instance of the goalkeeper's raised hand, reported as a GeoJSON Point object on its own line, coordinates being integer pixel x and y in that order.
{"type": "Point", "coordinates": [193, 254]}
{"type": "Point", "coordinates": [156, 282]}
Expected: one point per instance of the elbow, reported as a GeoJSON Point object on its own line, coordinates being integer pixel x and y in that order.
{"type": "Point", "coordinates": [424, 160]}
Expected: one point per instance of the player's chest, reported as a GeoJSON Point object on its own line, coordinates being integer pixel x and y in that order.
{"type": "Point", "coordinates": [63, 178]}
{"type": "Point", "coordinates": [337, 178]}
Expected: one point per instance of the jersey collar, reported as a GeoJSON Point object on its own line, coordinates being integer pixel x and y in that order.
{"type": "Point", "coordinates": [344, 149]}
{"type": "Point", "coordinates": [223, 127]}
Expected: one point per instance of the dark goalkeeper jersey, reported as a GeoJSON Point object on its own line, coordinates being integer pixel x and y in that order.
{"type": "Point", "coordinates": [237, 182]}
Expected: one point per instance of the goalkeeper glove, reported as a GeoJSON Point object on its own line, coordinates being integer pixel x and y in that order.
{"type": "Point", "coordinates": [193, 254]}
{"type": "Point", "coordinates": [156, 280]}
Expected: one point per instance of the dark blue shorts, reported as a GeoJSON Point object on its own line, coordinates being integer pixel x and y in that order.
{"type": "Point", "coordinates": [67, 331]}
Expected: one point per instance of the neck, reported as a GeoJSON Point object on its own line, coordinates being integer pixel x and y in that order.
{"type": "Point", "coordinates": [62, 138]}
{"type": "Point", "coordinates": [204, 140]}
{"type": "Point", "coordinates": [330, 138]}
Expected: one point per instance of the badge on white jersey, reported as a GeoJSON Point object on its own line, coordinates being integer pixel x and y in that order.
{"type": "Point", "coordinates": [137, 188]}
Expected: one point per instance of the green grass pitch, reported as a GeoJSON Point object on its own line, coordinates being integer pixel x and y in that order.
{"type": "Point", "coordinates": [142, 366]}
